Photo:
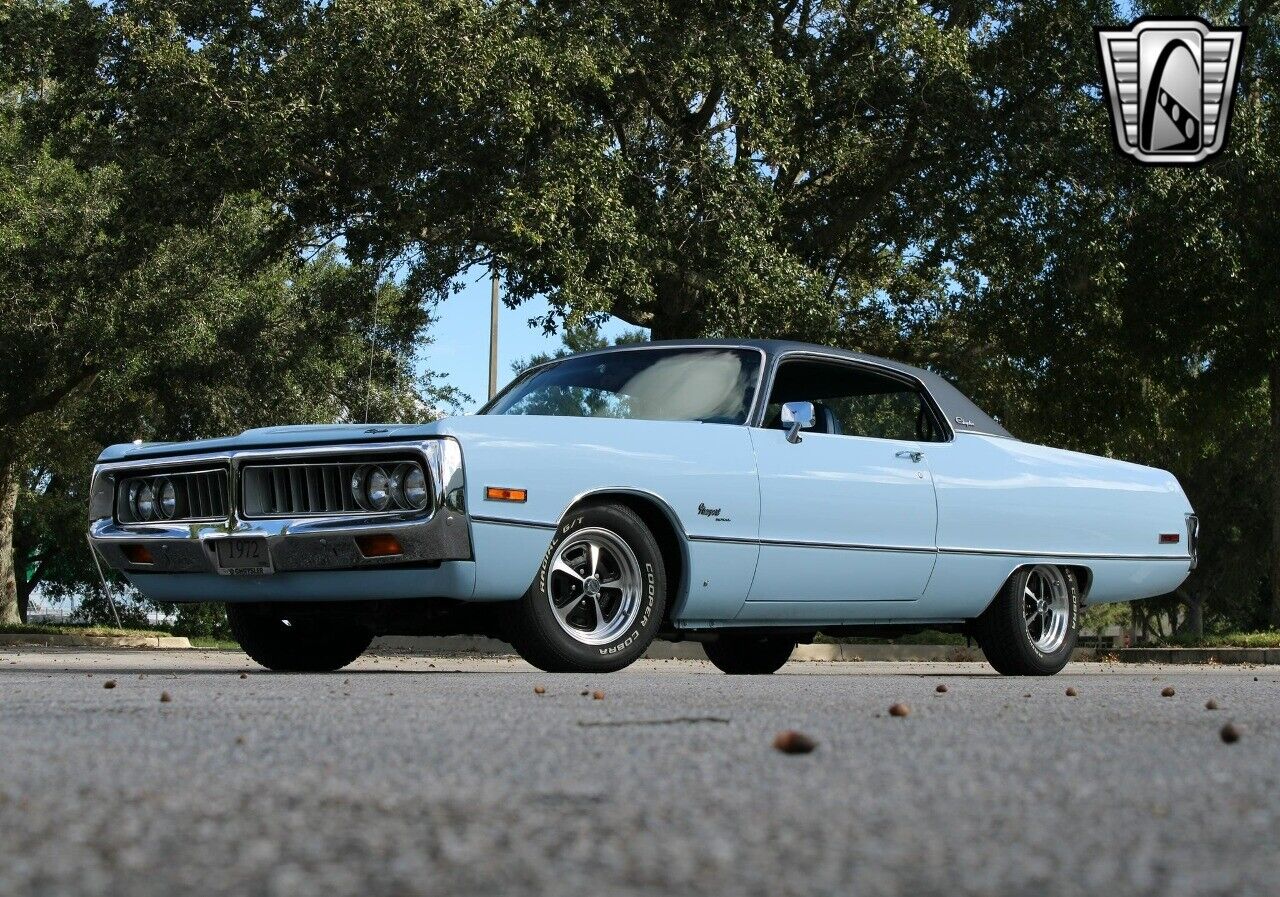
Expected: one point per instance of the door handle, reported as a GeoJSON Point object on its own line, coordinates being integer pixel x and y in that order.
{"type": "Point", "coordinates": [914, 456]}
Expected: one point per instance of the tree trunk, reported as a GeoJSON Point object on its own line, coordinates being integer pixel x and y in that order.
{"type": "Point", "coordinates": [1193, 623]}
{"type": "Point", "coordinates": [1275, 491]}
{"type": "Point", "coordinates": [10, 478]}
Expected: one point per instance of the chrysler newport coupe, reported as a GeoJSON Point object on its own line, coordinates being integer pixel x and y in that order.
{"type": "Point", "coordinates": [745, 494]}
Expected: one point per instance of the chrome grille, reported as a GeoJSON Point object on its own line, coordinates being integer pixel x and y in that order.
{"type": "Point", "coordinates": [310, 488]}
{"type": "Point", "coordinates": [198, 495]}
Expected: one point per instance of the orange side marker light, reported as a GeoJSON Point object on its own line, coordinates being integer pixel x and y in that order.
{"type": "Point", "coordinates": [505, 493]}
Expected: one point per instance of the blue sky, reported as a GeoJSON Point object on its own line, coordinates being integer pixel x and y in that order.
{"type": "Point", "coordinates": [461, 347]}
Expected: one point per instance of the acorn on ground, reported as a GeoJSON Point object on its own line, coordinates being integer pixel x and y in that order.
{"type": "Point", "coordinates": [1230, 733]}
{"type": "Point", "coordinates": [110, 683]}
{"type": "Point", "coordinates": [899, 710]}
{"type": "Point", "coordinates": [539, 689]}
{"type": "Point", "coordinates": [1167, 692]}
{"type": "Point", "coordinates": [1071, 692]}
{"type": "Point", "coordinates": [789, 741]}
{"type": "Point", "coordinates": [941, 689]}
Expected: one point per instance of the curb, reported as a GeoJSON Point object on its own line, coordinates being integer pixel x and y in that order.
{"type": "Point", "coordinates": [60, 640]}
{"type": "Point", "coordinates": [1252, 656]}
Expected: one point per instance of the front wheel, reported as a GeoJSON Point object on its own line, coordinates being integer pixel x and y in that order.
{"type": "Point", "coordinates": [291, 639]}
{"type": "Point", "coordinates": [1030, 628]}
{"type": "Point", "coordinates": [748, 655]}
{"type": "Point", "coordinates": [598, 598]}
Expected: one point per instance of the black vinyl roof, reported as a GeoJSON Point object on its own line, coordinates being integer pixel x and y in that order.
{"type": "Point", "coordinates": [961, 413]}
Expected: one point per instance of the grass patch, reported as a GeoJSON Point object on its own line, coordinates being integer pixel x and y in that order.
{"type": "Point", "coordinates": [1267, 639]}
{"type": "Point", "coordinates": [213, 644]}
{"type": "Point", "coordinates": [70, 629]}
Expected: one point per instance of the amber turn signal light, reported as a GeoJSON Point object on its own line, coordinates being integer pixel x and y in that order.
{"type": "Point", "coordinates": [138, 554]}
{"type": "Point", "coordinates": [1170, 538]}
{"type": "Point", "coordinates": [505, 493]}
{"type": "Point", "coordinates": [379, 546]}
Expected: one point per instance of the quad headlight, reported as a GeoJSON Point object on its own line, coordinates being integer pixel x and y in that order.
{"type": "Point", "coordinates": [403, 487]}
{"type": "Point", "coordinates": [143, 500]}
{"type": "Point", "coordinates": [167, 495]}
{"type": "Point", "coordinates": [409, 486]}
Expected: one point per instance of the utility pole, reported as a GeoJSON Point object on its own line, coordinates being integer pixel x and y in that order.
{"type": "Point", "coordinates": [493, 333]}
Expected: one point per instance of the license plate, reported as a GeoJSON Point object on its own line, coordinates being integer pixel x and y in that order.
{"type": "Point", "coordinates": [243, 557]}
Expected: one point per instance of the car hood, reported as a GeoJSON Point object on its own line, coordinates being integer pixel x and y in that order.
{"type": "Point", "coordinates": [274, 437]}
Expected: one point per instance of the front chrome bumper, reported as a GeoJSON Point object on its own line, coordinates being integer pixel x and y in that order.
{"type": "Point", "coordinates": [294, 543]}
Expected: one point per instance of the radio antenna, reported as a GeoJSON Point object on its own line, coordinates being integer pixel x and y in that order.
{"type": "Point", "coordinates": [373, 344]}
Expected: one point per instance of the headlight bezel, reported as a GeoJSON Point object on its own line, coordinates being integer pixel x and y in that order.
{"type": "Point", "coordinates": [392, 477]}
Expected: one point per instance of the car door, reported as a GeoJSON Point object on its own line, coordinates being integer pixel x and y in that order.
{"type": "Point", "coordinates": [847, 512]}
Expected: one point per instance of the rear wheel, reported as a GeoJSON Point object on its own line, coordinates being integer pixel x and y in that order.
{"type": "Point", "coordinates": [748, 655]}
{"type": "Point", "coordinates": [598, 598]}
{"type": "Point", "coordinates": [1030, 628]}
{"type": "Point", "coordinates": [289, 640]}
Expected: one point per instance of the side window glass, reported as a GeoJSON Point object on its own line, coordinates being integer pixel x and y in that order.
{"type": "Point", "coordinates": [851, 401]}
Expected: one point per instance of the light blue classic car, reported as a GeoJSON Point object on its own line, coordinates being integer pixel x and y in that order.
{"type": "Point", "coordinates": [746, 494]}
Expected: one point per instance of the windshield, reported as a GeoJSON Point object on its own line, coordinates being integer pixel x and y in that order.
{"type": "Point", "coordinates": [708, 385]}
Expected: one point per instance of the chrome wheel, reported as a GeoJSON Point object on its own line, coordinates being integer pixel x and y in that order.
{"type": "Point", "coordinates": [1046, 607]}
{"type": "Point", "coordinates": [594, 586]}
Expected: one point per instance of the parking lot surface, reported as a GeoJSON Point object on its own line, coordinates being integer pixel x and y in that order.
{"type": "Point", "coordinates": [417, 775]}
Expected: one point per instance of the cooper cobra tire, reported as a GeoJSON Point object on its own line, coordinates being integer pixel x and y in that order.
{"type": "Point", "coordinates": [302, 643]}
{"type": "Point", "coordinates": [598, 598]}
{"type": "Point", "coordinates": [1030, 629]}
{"type": "Point", "coordinates": [746, 655]}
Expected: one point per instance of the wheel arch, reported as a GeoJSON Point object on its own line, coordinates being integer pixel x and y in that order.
{"type": "Point", "coordinates": [1084, 579]}
{"type": "Point", "coordinates": [1083, 575]}
{"type": "Point", "coordinates": [662, 521]}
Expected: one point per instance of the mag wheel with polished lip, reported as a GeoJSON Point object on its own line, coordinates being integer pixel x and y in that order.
{"type": "Point", "coordinates": [1030, 628]}
{"type": "Point", "coordinates": [740, 654]}
{"type": "Point", "coordinates": [599, 596]}
{"type": "Point", "coordinates": [289, 639]}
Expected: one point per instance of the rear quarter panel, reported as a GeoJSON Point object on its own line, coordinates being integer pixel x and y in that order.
{"type": "Point", "coordinates": [677, 465]}
{"type": "Point", "coordinates": [1004, 503]}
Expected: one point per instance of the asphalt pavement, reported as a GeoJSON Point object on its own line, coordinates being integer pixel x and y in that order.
{"type": "Point", "coordinates": [406, 776]}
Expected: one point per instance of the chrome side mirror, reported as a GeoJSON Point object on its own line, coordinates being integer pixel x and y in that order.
{"type": "Point", "coordinates": [796, 415]}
